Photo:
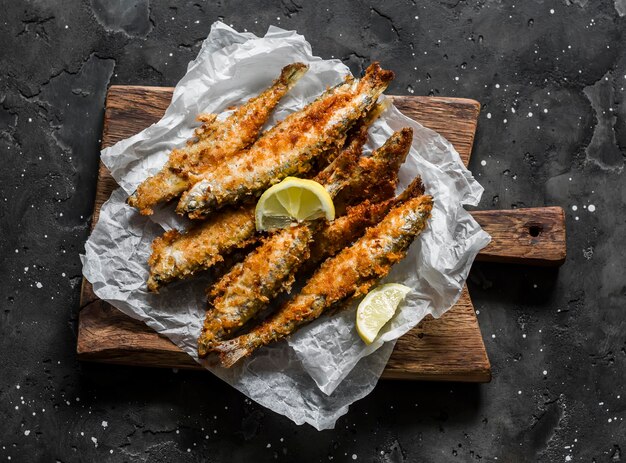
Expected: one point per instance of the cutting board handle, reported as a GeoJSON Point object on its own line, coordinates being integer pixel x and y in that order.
{"type": "Point", "coordinates": [532, 236]}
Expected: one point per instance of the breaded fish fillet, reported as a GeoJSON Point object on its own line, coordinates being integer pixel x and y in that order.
{"type": "Point", "coordinates": [346, 276]}
{"type": "Point", "coordinates": [177, 255]}
{"type": "Point", "coordinates": [289, 148]}
{"type": "Point", "coordinates": [217, 142]}
{"type": "Point", "coordinates": [270, 269]}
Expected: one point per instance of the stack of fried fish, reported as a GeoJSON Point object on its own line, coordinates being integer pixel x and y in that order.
{"type": "Point", "coordinates": [222, 171]}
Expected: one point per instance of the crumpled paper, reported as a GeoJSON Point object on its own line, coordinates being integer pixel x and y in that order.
{"type": "Point", "coordinates": [317, 373]}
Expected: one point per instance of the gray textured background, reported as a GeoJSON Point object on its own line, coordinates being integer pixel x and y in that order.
{"type": "Point", "coordinates": [551, 78]}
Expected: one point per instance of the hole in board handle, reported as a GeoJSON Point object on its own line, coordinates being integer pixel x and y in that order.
{"type": "Point", "coordinates": [534, 230]}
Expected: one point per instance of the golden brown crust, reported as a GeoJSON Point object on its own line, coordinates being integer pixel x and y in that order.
{"type": "Point", "coordinates": [377, 175]}
{"type": "Point", "coordinates": [289, 148]}
{"type": "Point", "coordinates": [271, 268]}
{"type": "Point", "coordinates": [349, 274]}
{"type": "Point", "coordinates": [177, 256]}
{"type": "Point", "coordinates": [216, 142]}
{"type": "Point", "coordinates": [250, 285]}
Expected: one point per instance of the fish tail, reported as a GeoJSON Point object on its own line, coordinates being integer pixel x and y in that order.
{"type": "Point", "coordinates": [376, 77]}
{"type": "Point", "coordinates": [395, 149]}
{"type": "Point", "coordinates": [291, 73]}
{"type": "Point", "coordinates": [231, 352]}
{"type": "Point", "coordinates": [415, 189]}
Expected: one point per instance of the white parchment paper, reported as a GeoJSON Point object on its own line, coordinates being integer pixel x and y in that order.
{"type": "Point", "coordinates": [322, 369]}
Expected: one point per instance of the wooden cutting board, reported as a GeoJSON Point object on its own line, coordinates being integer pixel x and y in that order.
{"type": "Point", "coordinates": [450, 348]}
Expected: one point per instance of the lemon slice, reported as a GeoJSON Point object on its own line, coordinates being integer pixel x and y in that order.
{"type": "Point", "coordinates": [293, 200]}
{"type": "Point", "coordinates": [377, 308]}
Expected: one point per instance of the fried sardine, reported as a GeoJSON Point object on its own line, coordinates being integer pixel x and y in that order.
{"type": "Point", "coordinates": [177, 255]}
{"type": "Point", "coordinates": [346, 276]}
{"type": "Point", "coordinates": [289, 148]}
{"type": "Point", "coordinates": [217, 142]}
{"type": "Point", "coordinates": [270, 269]}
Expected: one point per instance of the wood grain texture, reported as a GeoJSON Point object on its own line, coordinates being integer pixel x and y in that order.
{"type": "Point", "coordinates": [533, 236]}
{"type": "Point", "coordinates": [454, 118]}
{"type": "Point", "coordinates": [446, 349]}
{"type": "Point", "coordinates": [449, 348]}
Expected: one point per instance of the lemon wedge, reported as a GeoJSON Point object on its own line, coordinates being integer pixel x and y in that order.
{"type": "Point", "coordinates": [377, 308]}
{"type": "Point", "coordinates": [293, 200]}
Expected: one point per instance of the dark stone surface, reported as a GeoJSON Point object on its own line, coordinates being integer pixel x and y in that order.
{"type": "Point", "coordinates": [556, 339]}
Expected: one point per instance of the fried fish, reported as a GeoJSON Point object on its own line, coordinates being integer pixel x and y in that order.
{"type": "Point", "coordinates": [346, 276]}
{"type": "Point", "coordinates": [290, 148]}
{"type": "Point", "coordinates": [270, 269]}
{"type": "Point", "coordinates": [216, 142]}
{"type": "Point", "coordinates": [177, 255]}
